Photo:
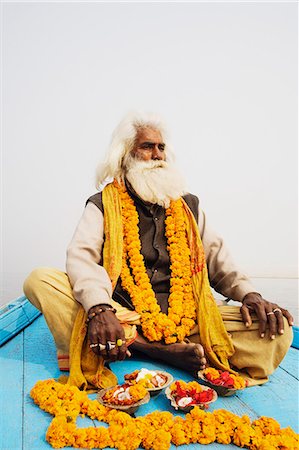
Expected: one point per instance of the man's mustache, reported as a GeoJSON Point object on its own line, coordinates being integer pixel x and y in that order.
{"type": "Point", "coordinates": [154, 164]}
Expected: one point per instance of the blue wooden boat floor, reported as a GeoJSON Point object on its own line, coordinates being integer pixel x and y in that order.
{"type": "Point", "coordinates": [30, 356]}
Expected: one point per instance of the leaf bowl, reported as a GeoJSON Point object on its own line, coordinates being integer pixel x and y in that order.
{"type": "Point", "coordinates": [222, 391]}
{"type": "Point", "coordinates": [129, 409]}
{"type": "Point", "coordinates": [156, 390]}
{"type": "Point", "coordinates": [188, 408]}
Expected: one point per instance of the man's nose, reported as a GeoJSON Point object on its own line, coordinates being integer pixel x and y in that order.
{"type": "Point", "coordinates": [156, 153]}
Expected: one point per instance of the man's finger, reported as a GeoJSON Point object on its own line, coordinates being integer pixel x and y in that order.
{"type": "Point", "coordinates": [279, 317]}
{"type": "Point", "coordinates": [116, 336]}
{"type": "Point", "coordinates": [111, 347]}
{"type": "Point", "coordinates": [117, 353]}
{"type": "Point", "coordinates": [262, 319]}
{"type": "Point", "coordinates": [112, 354]}
{"type": "Point", "coordinates": [272, 321]}
{"type": "Point", "coordinates": [245, 313]}
{"type": "Point", "coordinates": [121, 345]}
{"type": "Point", "coordinates": [94, 339]}
{"type": "Point", "coordinates": [288, 316]}
{"type": "Point", "coordinates": [122, 351]}
{"type": "Point", "coordinates": [96, 347]}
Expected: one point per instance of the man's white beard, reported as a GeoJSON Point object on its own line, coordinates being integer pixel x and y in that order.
{"type": "Point", "coordinates": [154, 181]}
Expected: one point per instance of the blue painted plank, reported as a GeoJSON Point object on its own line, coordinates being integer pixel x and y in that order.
{"type": "Point", "coordinates": [272, 399]}
{"type": "Point", "coordinates": [31, 311]}
{"type": "Point", "coordinates": [290, 363]}
{"type": "Point", "coordinates": [14, 317]}
{"type": "Point", "coordinates": [277, 399]}
{"type": "Point", "coordinates": [295, 342]}
{"type": "Point", "coordinates": [11, 394]}
{"type": "Point", "coordinates": [241, 404]}
{"type": "Point", "coordinates": [40, 364]}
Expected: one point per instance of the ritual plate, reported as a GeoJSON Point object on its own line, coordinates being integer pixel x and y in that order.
{"type": "Point", "coordinates": [129, 409]}
{"type": "Point", "coordinates": [222, 391]}
{"type": "Point", "coordinates": [153, 390]}
{"type": "Point", "coordinates": [188, 408]}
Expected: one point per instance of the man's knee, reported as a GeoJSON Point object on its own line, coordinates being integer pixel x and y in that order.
{"type": "Point", "coordinates": [35, 281]}
{"type": "Point", "coordinates": [286, 339]}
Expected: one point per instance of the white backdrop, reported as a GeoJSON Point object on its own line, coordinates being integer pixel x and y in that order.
{"type": "Point", "coordinates": [223, 75]}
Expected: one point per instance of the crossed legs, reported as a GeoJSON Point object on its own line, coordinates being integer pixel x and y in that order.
{"type": "Point", "coordinates": [50, 291]}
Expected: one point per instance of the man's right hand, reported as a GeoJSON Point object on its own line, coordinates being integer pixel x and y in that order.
{"type": "Point", "coordinates": [105, 328]}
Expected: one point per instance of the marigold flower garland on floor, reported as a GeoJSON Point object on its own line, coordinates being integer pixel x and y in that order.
{"type": "Point", "coordinates": [154, 431]}
{"type": "Point", "coordinates": [157, 326]}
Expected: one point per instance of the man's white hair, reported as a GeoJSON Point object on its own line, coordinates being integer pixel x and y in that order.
{"type": "Point", "coordinates": [122, 142]}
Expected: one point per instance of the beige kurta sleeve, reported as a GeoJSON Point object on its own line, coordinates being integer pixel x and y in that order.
{"type": "Point", "coordinates": [224, 276]}
{"type": "Point", "coordinates": [90, 281]}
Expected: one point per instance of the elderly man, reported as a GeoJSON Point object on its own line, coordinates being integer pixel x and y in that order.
{"type": "Point", "coordinates": [143, 255]}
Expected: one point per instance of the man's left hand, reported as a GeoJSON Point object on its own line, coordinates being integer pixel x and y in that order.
{"type": "Point", "coordinates": [266, 312]}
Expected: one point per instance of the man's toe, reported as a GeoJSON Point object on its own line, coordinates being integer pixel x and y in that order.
{"type": "Point", "coordinates": [199, 351]}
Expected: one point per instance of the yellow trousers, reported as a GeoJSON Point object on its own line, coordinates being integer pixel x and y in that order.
{"type": "Point", "coordinates": [49, 290]}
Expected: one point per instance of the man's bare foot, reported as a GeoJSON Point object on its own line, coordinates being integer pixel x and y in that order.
{"type": "Point", "coordinates": [187, 356]}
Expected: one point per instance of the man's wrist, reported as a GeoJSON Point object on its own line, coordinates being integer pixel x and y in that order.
{"type": "Point", "coordinates": [102, 306]}
{"type": "Point", "coordinates": [97, 310]}
{"type": "Point", "coordinates": [251, 293]}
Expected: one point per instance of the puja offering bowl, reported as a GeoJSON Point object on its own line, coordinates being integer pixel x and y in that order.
{"type": "Point", "coordinates": [188, 408]}
{"type": "Point", "coordinates": [156, 390]}
{"type": "Point", "coordinates": [129, 409]}
{"type": "Point", "coordinates": [222, 391]}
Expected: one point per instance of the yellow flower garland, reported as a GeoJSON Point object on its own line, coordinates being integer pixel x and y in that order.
{"type": "Point", "coordinates": [154, 431]}
{"type": "Point", "coordinates": [157, 326]}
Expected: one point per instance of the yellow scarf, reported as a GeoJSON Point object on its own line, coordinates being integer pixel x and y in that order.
{"type": "Point", "coordinates": [213, 335]}
{"type": "Point", "coordinates": [86, 368]}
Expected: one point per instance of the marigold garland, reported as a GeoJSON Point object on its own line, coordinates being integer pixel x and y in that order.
{"type": "Point", "coordinates": [154, 431]}
{"type": "Point", "coordinates": [180, 320]}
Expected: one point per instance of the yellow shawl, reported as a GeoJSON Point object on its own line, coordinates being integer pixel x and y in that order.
{"type": "Point", "coordinates": [87, 369]}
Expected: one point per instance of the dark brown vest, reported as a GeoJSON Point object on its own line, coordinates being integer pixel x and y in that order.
{"type": "Point", "coordinates": [153, 246]}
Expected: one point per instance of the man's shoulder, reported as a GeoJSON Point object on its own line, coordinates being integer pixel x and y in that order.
{"type": "Point", "coordinates": [188, 197]}
{"type": "Point", "coordinates": [193, 203]}
{"type": "Point", "coordinates": [97, 200]}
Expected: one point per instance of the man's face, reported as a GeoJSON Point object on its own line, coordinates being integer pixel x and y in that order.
{"type": "Point", "coordinates": [149, 145]}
